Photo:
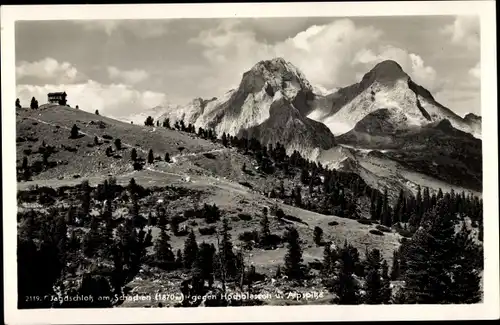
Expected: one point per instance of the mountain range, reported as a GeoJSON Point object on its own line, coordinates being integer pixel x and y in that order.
{"type": "Point", "coordinates": [385, 112]}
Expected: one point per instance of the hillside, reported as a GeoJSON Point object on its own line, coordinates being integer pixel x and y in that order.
{"type": "Point", "coordinates": [125, 229]}
{"type": "Point", "coordinates": [437, 149]}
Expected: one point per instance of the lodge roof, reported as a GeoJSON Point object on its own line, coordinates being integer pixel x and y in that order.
{"type": "Point", "coordinates": [57, 94]}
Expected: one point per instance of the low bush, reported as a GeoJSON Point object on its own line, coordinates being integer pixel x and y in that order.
{"type": "Point", "coordinates": [365, 221]}
{"type": "Point", "coordinates": [248, 236]}
{"type": "Point", "coordinates": [383, 228]}
{"type": "Point", "coordinates": [246, 184]}
{"type": "Point", "coordinates": [207, 231]}
{"type": "Point", "coordinates": [333, 223]}
{"type": "Point", "coordinates": [244, 216]}
{"type": "Point", "coordinates": [209, 155]}
{"type": "Point", "coordinates": [107, 137]}
{"type": "Point", "coordinates": [376, 232]}
{"type": "Point", "coordinates": [404, 232]}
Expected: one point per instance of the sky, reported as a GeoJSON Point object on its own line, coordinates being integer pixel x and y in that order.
{"type": "Point", "coordinates": [123, 67]}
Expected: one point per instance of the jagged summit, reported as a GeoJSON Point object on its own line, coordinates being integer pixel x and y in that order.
{"type": "Point", "coordinates": [472, 117]}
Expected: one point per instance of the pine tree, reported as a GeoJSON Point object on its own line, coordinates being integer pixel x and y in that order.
{"type": "Point", "coordinates": [205, 261]}
{"type": "Point", "coordinates": [399, 208]}
{"type": "Point", "coordinates": [395, 270]}
{"type": "Point", "coordinates": [96, 141]}
{"type": "Point", "coordinates": [293, 258]}
{"type": "Point", "coordinates": [373, 205]}
{"type": "Point", "coordinates": [85, 188]}
{"type": "Point", "coordinates": [386, 215]}
{"type": "Point", "coordinates": [328, 266]}
{"type": "Point", "coordinates": [162, 249]}
{"type": "Point", "coordinates": [190, 250]}
{"type": "Point", "coordinates": [373, 279]}
{"type": "Point", "coordinates": [318, 236]}
{"type": "Point", "coordinates": [345, 286]}
{"type": "Point", "coordinates": [74, 132]}
{"type": "Point", "coordinates": [178, 258]}
{"type": "Point", "coordinates": [224, 139]}
{"type": "Point", "coordinates": [133, 154]}
{"type": "Point", "coordinates": [18, 103]}
{"type": "Point", "coordinates": [429, 258]}
{"type": "Point", "coordinates": [265, 232]}
{"type": "Point", "coordinates": [466, 287]}
{"type": "Point", "coordinates": [167, 157]}
{"type": "Point", "coordinates": [118, 144]}
{"type": "Point", "coordinates": [96, 112]}
{"type": "Point", "coordinates": [150, 156]}
{"type": "Point", "coordinates": [386, 291]}
{"type": "Point", "coordinates": [298, 197]}
{"type": "Point", "coordinates": [25, 163]}
{"type": "Point", "coordinates": [226, 250]}
{"type": "Point", "coordinates": [34, 103]}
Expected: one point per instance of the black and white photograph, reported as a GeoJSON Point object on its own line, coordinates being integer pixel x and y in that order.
{"type": "Point", "coordinates": [180, 162]}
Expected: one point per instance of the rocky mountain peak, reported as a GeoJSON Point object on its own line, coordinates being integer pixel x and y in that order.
{"type": "Point", "coordinates": [472, 117]}
{"type": "Point", "coordinates": [387, 71]}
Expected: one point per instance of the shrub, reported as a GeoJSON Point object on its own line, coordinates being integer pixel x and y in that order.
{"type": "Point", "coordinates": [383, 228]}
{"type": "Point", "coordinates": [246, 184]}
{"type": "Point", "coordinates": [365, 221]}
{"type": "Point", "coordinates": [333, 223]}
{"type": "Point", "coordinates": [404, 232]}
{"type": "Point", "coordinates": [244, 216]}
{"type": "Point", "coordinates": [248, 236]}
{"type": "Point", "coordinates": [118, 144]}
{"type": "Point", "coordinates": [107, 137]}
{"type": "Point", "coordinates": [376, 232]}
{"type": "Point", "coordinates": [137, 165]}
{"type": "Point", "coordinates": [209, 155]}
{"type": "Point", "coordinates": [207, 231]}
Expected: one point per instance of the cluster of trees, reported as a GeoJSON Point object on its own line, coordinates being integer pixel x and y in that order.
{"type": "Point", "coordinates": [138, 162]}
{"type": "Point", "coordinates": [180, 125]}
{"type": "Point", "coordinates": [437, 265]}
{"type": "Point", "coordinates": [410, 210]}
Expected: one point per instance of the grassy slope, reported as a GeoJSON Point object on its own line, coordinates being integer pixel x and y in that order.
{"type": "Point", "coordinates": [218, 180]}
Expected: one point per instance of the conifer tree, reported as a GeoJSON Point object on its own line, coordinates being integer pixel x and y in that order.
{"type": "Point", "coordinates": [345, 286]}
{"type": "Point", "coordinates": [178, 258]}
{"type": "Point", "coordinates": [395, 271]}
{"type": "Point", "coordinates": [163, 249]}
{"type": "Point", "coordinates": [167, 157]}
{"type": "Point", "coordinates": [224, 139]}
{"type": "Point", "coordinates": [318, 236]}
{"type": "Point", "coordinates": [386, 283]}
{"type": "Point", "coordinates": [118, 144]}
{"type": "Point", "coordinates": [74, 132]}
{"type": "Point", "coordinates": [85, 188]}
{"type": "Point", "coordinates": [265, 232]}
{"type": "Point", "coordinates": [190, 250]}
{"type": "Point", "coordinates": [205, 261]}
{"type": "Point", "coordinates": [226, 250]}
{"type": "Point", "coordinates": [150, 156]}
{"type": "Point", "coordinates": [466, 287]}
{"type": "Point", "coordinates": [429, 257]}
{"type": "Point", "coordinates": [386, 215]}
{"type": "Point", "coordinates": [18, 103]}
{"type": "Point", "coordinates": [293, 258]}
{"type": "Point", "coordinates": [133, 154]}
{"type": "Point", "coordinates": [373, 279]}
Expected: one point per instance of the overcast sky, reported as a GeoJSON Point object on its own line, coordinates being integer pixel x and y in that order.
{"type": "Point", "coordinates": [121, 67]}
